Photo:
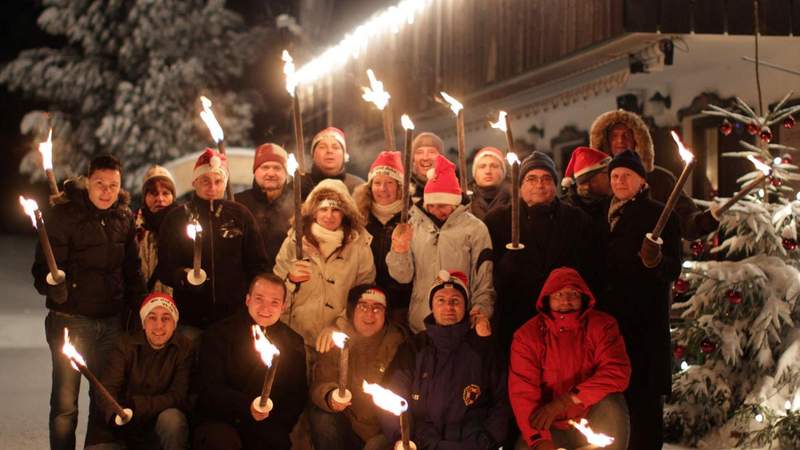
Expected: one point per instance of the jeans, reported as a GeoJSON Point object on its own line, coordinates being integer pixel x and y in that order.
{"type": "Point", "coordinates": [94, 339]}
{"type": "Point", "coordinates": [171, 432]}
{"type": "Point", "coordinates": [332, 431]}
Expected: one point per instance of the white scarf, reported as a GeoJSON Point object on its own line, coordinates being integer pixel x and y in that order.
{"type": "Point", "coordinates": [384, 213]}
{"type": "Point", "coordinates": [328, 240]}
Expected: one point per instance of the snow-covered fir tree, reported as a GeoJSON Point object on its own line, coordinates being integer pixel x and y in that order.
{"type": "Point", "coordinates": [128, 80]}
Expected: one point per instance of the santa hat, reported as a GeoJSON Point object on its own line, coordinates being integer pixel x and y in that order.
{"type": "Point", "coordinates": [585, 161]}
{"type": "Point", "coordinates": [333, 133]}
{"type": "Point", "coordinates": [211, 161]}
{"type": "Point", "coordinates": [155, 300]}
{"type": "Point", "coordinates": [157, 173]}
{"type": "Point", "coordinates": [270, 152]}
{"type": "Point", "coordinates": [492, 153]}
{"type": "Point", "coordinates": [387, 163]}
{"type": "Point", "coordinates": [442, 186]}
{"type": "Point", "coordinates": [450, 279]}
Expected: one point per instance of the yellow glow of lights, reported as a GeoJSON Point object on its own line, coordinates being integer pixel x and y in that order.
{"type": "Point", "coordinates": [46, 149]}
{"type": "Point", "coordinates": [211, 120]}
{"type": "Point", "coordinates": [386, 399]}
{"type": "Point", "coordinates": [30, 206]}
{"type": "Point", "coordinates": [375, 93]}
{"type": "Point", "coordinates": [455, 105]}
{"type": "Point", "coordinates": [501, 122]}
{"type": "Point", "coordinates": [264, 347]}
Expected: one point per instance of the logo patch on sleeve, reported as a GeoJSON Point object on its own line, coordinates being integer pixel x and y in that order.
{"type": "Point", "coordinates": [471, 394]}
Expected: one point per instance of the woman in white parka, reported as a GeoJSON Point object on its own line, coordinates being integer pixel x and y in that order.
{"type": "Point", "coordinates": [442, 235]}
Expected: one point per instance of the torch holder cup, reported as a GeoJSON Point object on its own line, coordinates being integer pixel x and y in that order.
{"type": "Point", "coordinates": [120, 421]}
{"type": "Point", "coordinates": [651, 251]}
{"type": "Point", "coordinates": [60, 277]}
{"type": "Point", "coordinates": [196, 281]}
{"type": "Point", "coordinates": [262, 409]}
{"type": "Point", "coordinates": [510, 246]}
{"type": "Point", "coordinates": [399, 445]}
{"type": "Point", "coordinates": [344, 399]}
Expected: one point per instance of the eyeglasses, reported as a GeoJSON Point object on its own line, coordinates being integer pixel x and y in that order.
{"type": "Point", "coordinates": [545, 179]}
{"type": "Point", "coordinates": [566, 295]}
{"type": "Point", "coordinates": [375, 309]}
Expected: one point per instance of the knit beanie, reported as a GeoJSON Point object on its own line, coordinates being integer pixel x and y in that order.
{"type": "Point", "coordinates": [158, 173]}
{"type": "Point", "coordinates": [387, 163]}
{"type": "Point", "coordinates": [492, 153]}
{"type": "Point", "coordinates": [155, 300]}
{"type": "Point", "coordinates": [270, 152]}
{"type": "Point", "coordinates": [629, 160]}
{"type": "Point", "coordinates": [211, 161]}
{"type": "Point", "coordinates": [450, 279]}
{"type": "Point", "coordinates": [442, 187]}
{"type": "Point", "coordinates": [428, 139]}
{"type": "Point", "coordinates": [371, 292]}
{"type": "Point", "coordinates": [538, 160]}
{"type": "Point", "coordinates": [584, 163]}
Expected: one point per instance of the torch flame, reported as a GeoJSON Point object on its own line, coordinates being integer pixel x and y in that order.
{"type": "Point", "coordinates": [512, 158]}
{"type": "Point", "coordinates": [291, 164]}
{"type": "Point", "coordinates": [765, 169]}
{"type": "Point", "coordinates": [71, 352]}
{"type": "Point", "coordinates": [686, 155]}
{"type": "Point", "coordinates": [406, 121]}
{"type": "Point", "coordinates": [193, 229]}
{"type": "Point", "coordinates": [211, 120]}
{"type": "Point", "coordinates": [339, 338]}
{"type": "Point", "coordinates": [501, 122]}
{"type": "Point", "coordinates": [386, 399]}
{"type": "Point", "coordinates": [288, 70]}
{"type": "Point", "coordinates": [46, 149]}
{"type": "Point", "coordinates": [264, 346]}
{"type": "Point", "coordinates": [375, 93]}
{"type": "Point", "coordinates": [30, 206]}
{"type": "Point", "coordinates": [598, 439]}
{"type": "Point", "coordinates": [455, 105]}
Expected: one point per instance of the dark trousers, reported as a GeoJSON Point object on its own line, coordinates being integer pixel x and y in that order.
{"type": "Point", "coordinates": [332, 431]}
{"type": "Point", "coordinates": [647, 418]}
{"type": "Point", "coordinates": [215, 435]}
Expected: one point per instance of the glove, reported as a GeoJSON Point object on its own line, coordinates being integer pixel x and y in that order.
{"type": "Point", "coordinates": [651, 252]}
{"type": "Point", "coordinates": [401, 238]}
{"type": "Point", "coordinates": [543, 418]}
{"type": "Point", "coordinates": [58, 292]}
{"type": "Point", "coordinates": [300, 271]}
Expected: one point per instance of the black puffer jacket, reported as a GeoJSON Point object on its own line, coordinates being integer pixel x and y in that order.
{"type": "Point", "coordinates": [399, 293]}
{"type": "Point", "coordinates": [486, 199]}
{"type": "Point", "coordinates": [232, 254]}
{"type": "Point", "coordinates": [96, 250]}
{"type": "Point", "coordinates": [272, 217]}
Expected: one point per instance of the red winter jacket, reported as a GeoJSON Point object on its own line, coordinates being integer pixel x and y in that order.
{"type": "Point", "coordinates": [553, 354]}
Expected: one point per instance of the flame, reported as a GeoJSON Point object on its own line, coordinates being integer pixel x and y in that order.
{"type": "Point", "coordinates": [765, 169]}
{"type": "Point", "coordinates": [30, 206]}
{"type": "Point", "coordinates": [71, 352]}
{"type": "Point", "coordinates": [291, 164]}
{"type": "Point", "coordinates": [501, 122]}
{"type": "Point", "coordinates": [598, 439]}
{"type": "Point", "coordinates": [406, 121]}
{"type": "Point", "coordinates": [386, 399]}
{"type": "Point", "coordinates": [264, 346]}
{"type": "Point", "coordinates": [193, 229]}
{"type": "Point", "coordinates": [289, 71]}
{"type": "Point", "coordinates": [686, 155]}
{"type": "Point", "coordinates": [46, 149]}
{"type": "Point", "coordinates": [455, 105]}
{"type": "Point", "coordinates": [339, 338]}
{"type": "Point", "coordinates": [375, 93]}
{"type": "Point", "coordinates": [512, 158]}
{"type": "Point", "coordinates": [211, 120]}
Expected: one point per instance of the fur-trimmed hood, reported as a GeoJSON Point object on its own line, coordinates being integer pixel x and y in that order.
{"type": "Point", "coordinates": [334, 190]}
{"type": "Point", "coordinates": [598, 135]}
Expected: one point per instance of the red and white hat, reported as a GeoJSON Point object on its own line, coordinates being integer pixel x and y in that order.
{"type": "Point", "coordinates": [453, 279]}
{"type": "Point", "coordinates": [155, 300]}
{"type": "Point", "coordinates": [211, 161]}
{"type": "Point", "coordinates": [492, 153]}
{"type": "Point", "coordinates": [584, 161]}
{"type": "Point", "coordinates": [442, 186]}
{"type": "Point", "coordinates": [333, 133]}
{"type": "Point", "coordinates": [387, 163]}
{"type": "Point", "coordinates": [270, 152]}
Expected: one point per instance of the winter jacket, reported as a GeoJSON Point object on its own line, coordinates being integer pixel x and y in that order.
{"type": "Point", "coordinates": [462, 243]}
{"type": "Point", "coordinates": [97, 252]}
{"type": "Point", "coordinates": [315, 176]}
{"type": "Point", "coordinates": [368, 360]}
{"type": "Point", "coordinates": [272, 216]}
{"type": "Point", "coordinates": [232, 255]}
{"type": "Point", "coordinates": [456, 385]}
{"type": "Point", "coordinates": [322, 300]}
{"type": "Point", "coordinates": [638, 297]}
{"type": "Point", "coordinates": [231, 375]}
{"type": "Point", "coordinates": [554, 354]}
{"type": "Point", "coordinates": [594, 208]}
{"type": "Point", "coordinates": [146, 380]}
{"type": "Point", "coordinates": [554, 235]}
{"type": "Point", "coordinates": [486, 199]}
{"type": "Point", "coordinates": [147, 227]}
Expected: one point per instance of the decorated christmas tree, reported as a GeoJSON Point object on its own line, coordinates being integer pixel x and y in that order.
{"type": "Point", "coordinates": [128, 80]}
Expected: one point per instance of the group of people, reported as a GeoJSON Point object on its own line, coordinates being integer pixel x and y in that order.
{"type": "Point", "coordinates": [490, 346]}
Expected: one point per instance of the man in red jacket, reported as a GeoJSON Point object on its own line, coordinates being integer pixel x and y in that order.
{"type": "Point", "coordinates": [568, 362]}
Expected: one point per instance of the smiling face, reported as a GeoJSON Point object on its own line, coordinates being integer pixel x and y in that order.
{"type": "Point", "coordinates": [424, 159]}
{"type": "Point", "coordinates": [385, 189]}
{"type": "Point", "coordinates": [103, 187]}
{"type": "Point", "coordinates": [447, 306]}
{"type": "Point", "coordinates": [565, 300]}
{"type": "Point", "coordinates": [329, 218]}
{"type": "Point", "coordinates": [209, 186]}
{"type": "Point", "coordinates": [488, 172]}
{"type": "Point", "coordinates": [369, 317]}
{"type": "Point", "coordinates": [159, 327]}
{"type": "Point", "coordinates": [265, 302]}
{"type": "Point", "coordinates": [620, 138]}
{"type": "Point", "coordinates": [625, 183]}
{"type": "Point", "coordinates": [329, 156]}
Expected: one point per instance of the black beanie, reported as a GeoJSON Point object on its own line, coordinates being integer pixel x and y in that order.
{"type": "Point", "coordinates": [538, 160]}
{"type": "Point", "coordinates": [357, 292]}
{"type": "Point", "coordinates": [629, 160]}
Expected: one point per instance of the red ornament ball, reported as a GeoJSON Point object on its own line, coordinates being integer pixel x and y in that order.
{"type": "Point", "coordinates": [707, 346]}
{"type": "Point", "coordinates": [776, 182]}
{"type": "Point", "coordinates": [789, 244]}
{"type": "Point", "coordinates": [679, 351]}
{"type": "Point", "coordinates": [789, 122]}
{"type": "Point", "coordinates": [697, 247]}
{"type": "Point", "coordinates": [752, 128]}
{"type": "Point", "coordinates": [787, 159]}
{"type": "Point", "coordinates": [734, 297]}
{"type": "Point", "coordinates": [681, 286]}
{"type": "Point", "coordinates": [726, 128]}
{"type": "Point", "coordinates": [766, 134]}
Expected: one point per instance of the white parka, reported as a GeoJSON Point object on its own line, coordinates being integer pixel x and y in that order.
{"type": "Point", "coordinates": [462, 244]}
